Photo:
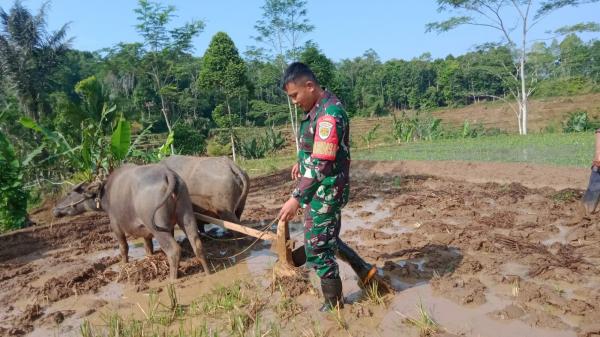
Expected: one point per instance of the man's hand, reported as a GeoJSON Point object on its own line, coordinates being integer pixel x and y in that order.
{"type": "Point", "coordinates": [289, 209]}
{"type": "Point", "coordinates": [295, 171]}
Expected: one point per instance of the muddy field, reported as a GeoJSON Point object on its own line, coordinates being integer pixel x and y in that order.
{"type": "Point", "coordinates": [482, 256]}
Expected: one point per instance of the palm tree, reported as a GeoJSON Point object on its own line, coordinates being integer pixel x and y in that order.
{"type": "Point", "coordinates": [29, 55]}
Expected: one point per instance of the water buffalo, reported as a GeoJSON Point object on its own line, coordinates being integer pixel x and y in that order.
{"type": "Point", "coordinates": [141, 201]}
{"type": "Point", "coordinates": [217, 186]}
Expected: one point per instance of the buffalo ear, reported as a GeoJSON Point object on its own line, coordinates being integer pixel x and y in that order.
{"type": "Point", "coordinates": [79, 187]}
{"type": "Point", "coordinates": [93, 189]}
{"type": "Point", "coordinates": [89, 194]}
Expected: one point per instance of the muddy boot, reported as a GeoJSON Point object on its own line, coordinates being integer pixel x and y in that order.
{"type": "Point", "coordinates": [332, 292]}
{"type": "Point", "coordinates": [592, 194]}
{"type": "Point", "coordinates": [364, 270]}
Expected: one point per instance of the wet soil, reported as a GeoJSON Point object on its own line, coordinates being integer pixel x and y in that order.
{"type": "Point", "coordinates": [500, 254]}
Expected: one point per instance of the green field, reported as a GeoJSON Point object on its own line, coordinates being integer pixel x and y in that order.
{"type": "Point", "coordinates": [571, 149]}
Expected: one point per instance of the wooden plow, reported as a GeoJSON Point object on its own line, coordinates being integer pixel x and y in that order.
{"type": "Point", "coordinates": [285, 248]}
{"type": "Point", "coordinates": [292, 255]}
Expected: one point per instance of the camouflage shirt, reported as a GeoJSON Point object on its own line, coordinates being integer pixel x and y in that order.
{"type": "Point", "coordinates": [324, 156]}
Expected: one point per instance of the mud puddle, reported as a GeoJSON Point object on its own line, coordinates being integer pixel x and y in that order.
{"type": "Point", "coordinates": [485, 320]}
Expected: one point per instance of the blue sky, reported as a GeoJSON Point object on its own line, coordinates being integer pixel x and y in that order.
{"type": "Point", "coordinates": [343, 28]}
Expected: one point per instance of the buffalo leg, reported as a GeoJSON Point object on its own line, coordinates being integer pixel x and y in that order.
{"type": "Point", "coordinates": [191, 231]}
{"type": "Point", "coordinates": [123, 247]}
{"type": "Point", "coordinates": [148, 246]}
{"type": "Point", "coordinates": [171, 249]}
{"type": "Point", "coordinates": [201, 227]}
{"type": "Point", "coordinates": [122, 239]}
{"type": "Point", "coordinates": [231, 217]}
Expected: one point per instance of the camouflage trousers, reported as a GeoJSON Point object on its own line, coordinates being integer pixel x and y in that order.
{"type": "Point", "coordinates": [321, 229]}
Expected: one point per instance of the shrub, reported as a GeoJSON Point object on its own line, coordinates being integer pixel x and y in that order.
{"type": "Point", "coordinates": [274, 140]}
{"type": "Point", "coordinates": [565, 87]}
{"type": "Point", "coordinates": [417, 127]}
{"type": "Point", "coordinates": [259, 146]}
{"type": "Point", "coordinates": [252, 148]}
{"type": "Point", "coordinates": [263, 113]}
{"type": "Point", "coordinates": [472, 130]}
{"type": "Point", "coordinates": [579, 121]}
{"type": "Point", "coordinates": [13, 196]}
{"type": "Point", "coordinates": [216, 149]}
{"type": "Point", "coordinates": [189, 140]}
{"type": "Point", "coordinates": [370, 135]}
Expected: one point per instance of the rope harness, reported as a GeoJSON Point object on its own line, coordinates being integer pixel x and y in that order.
{"type": "Point", "coordinates": [263, 231]}
{"type": "Point", "coordinates": [72, 204]}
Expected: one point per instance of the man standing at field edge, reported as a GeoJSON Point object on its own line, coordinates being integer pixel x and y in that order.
{"type": "Point", "coordinates": [323, 168]}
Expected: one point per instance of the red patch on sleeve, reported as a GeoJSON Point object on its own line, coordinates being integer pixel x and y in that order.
{"type": "Point", "coordinates": [326, 139]}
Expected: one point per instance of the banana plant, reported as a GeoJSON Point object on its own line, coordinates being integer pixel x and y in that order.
{"type": "Point", "coordinates": [98, 152]}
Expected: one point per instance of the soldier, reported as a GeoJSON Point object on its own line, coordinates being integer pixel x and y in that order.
{"type": "Point", "coordinates": [592, 194]}
{"type": "Point", "coordinates": [323, 171]}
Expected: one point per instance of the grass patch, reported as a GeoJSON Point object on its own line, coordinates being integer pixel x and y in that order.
{"type": "Point", "coordinates": [560, 149]}
{"type": "Point", "coordinates": [565, 195]}
{"type": "Point", "coordinates": [313, 330]}
{"type": "Point", "coordinates": [263, 166]}
{"type": "Point", "coordinates": [574, 149]}
{"type": "Point", "coordinates": [424, 322]}
{"type": "Point", "coordinates": [372, 294]}
{"type": "Point", "coordinates": [338, 318]}
{"type": "Point", "coordinates": [224, 299]}
{"type": "Point", "coordinates": [287, 308]}
{"type": "Point", "coordinates": [234, 310]}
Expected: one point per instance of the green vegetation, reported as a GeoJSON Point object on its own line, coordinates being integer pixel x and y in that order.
{"type": "Point", "coordinates": [424, 322]}
{"type": "Point", "coordinates": [492, 14]}
{"type": "Point", "coordinates": [574, 149]}
{"type": "Point", "coordinates": [579, 121]}
{"type": "Point", "coordinates": [372, 293]}
{"type": "Point", "coordinates": [13, 196]}
{"type": "Point", "coordinates": [553, 149]}
{"type": "Point", "coordinates": [267, 165]}
{"type": "Point", "coordinates": [233, 310]}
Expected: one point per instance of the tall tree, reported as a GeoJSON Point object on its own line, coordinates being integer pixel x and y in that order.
{"type": "Point", "coordinates": [496, 15]}
{"type": "Point", "coordinates": [164, 46]}
{"type": "Point", "coordinates": [281, 29]}
{"type": "Point", "coordinates": [29, 55]}
{"type": "Point", "coordinates": [323, 68]}
{"type": "Point", "coordinates": [224, 71]}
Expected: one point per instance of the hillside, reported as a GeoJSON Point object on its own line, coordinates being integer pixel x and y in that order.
{"type": "Point", "coordinates": [542, 113]}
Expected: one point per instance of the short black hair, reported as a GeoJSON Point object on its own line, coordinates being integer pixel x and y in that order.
{"type": "Point", "coordinates": [297, 71]}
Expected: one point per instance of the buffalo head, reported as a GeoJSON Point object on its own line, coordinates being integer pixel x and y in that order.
{"type": "Point", "coordinates": [82, 198]}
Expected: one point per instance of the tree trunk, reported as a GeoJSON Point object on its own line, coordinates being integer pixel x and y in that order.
{"type": "Point", "coordinates": [524, 94]}
{"type": "Point", "coordinates": [294, 131]}
{"type": "Point", "coordinates": [231, 130]}
{"type": "Point", "coordinates": [166, 116]}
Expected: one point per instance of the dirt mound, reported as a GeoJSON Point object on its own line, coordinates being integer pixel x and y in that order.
{"type": "Point", "coordinates": [470, 291]}
{"type": "Point", "coordinates": [78, 232]}
{"type": "Point", "coordinates": [293, 286]}
{"type": "Point", "coordinates": [79, 281]}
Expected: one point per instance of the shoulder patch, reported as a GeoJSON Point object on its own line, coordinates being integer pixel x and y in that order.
{"type": "Point", "coordinates": [326, 141]}
{"type": "Point", "coordinates": [325, 128]}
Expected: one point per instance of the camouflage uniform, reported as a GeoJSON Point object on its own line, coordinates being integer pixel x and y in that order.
{"type": "Point", "coordinates": [323, 189]}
